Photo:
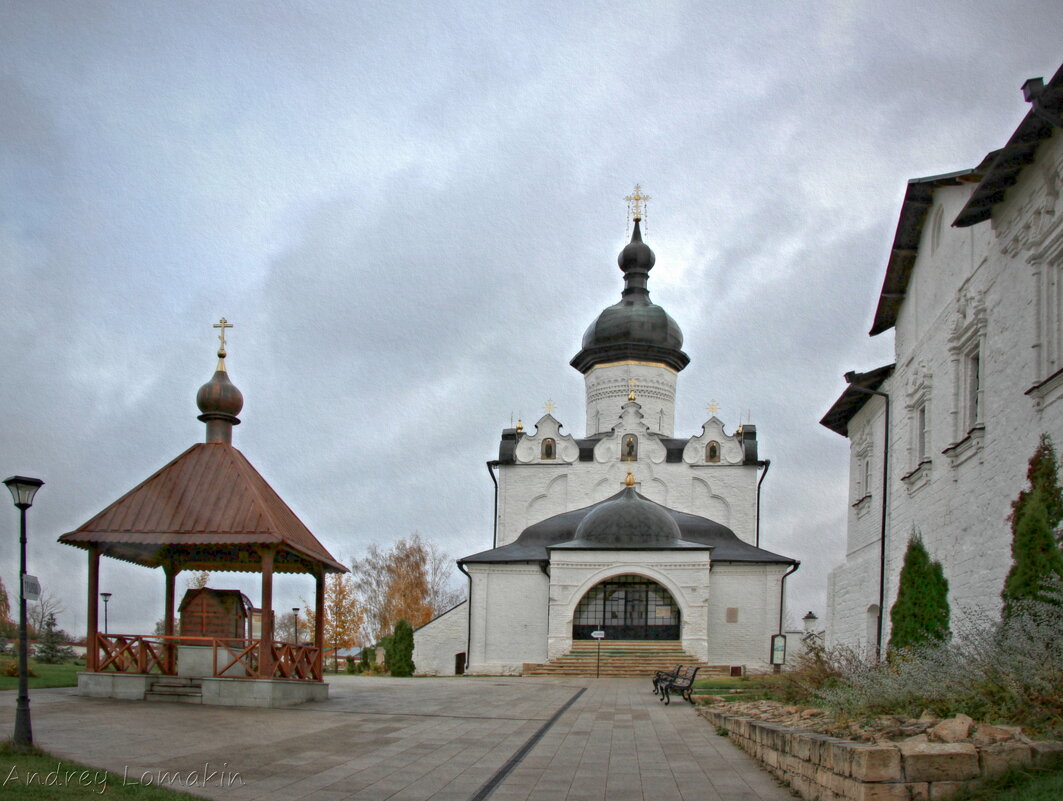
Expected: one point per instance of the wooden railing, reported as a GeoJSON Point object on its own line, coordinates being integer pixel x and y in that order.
{"type": "Point", "coordinates": [232, 658]}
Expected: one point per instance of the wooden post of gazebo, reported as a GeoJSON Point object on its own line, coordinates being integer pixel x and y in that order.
{"type": "Point", "coordinates": [171, 572]}
{"type": "Point", "coordinates": [319, 621]}
{"type": "Point", "coordinates": [265, 653]}
{"type": "Point", "coordinates": [92, 648]}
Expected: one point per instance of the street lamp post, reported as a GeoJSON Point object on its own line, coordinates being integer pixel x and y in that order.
{"type": "Point", "coordinates": [295, 614]}
{"type": "Point", "coordinates": [106, 597]}
{"type": "Point", "coordinates": [22, 490]}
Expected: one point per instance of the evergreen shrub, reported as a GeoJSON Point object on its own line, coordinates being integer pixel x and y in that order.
{"type": "Point", "coordinates": [921, 612]}
{"type": "Point", "coordinates": [401, 652]}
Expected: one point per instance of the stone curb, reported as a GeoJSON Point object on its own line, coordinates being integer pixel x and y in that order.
{"type": "Point", "coordinates": [823, 768]}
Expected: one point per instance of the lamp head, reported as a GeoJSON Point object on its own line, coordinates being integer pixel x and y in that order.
{"type": "Point", "coordinates": [23, 489]}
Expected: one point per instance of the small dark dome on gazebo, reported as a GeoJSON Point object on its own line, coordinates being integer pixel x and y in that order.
{"type": "Point", "coordinates": [629, 519]}
{"type": "Point", "coordinates": [220, 395]}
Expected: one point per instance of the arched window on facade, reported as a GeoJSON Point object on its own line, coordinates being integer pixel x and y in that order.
{"type": "Point", "coordinates": [872, 625]}
{"type": "Point", "coordinates": [712, 451]}
{"type": "Point", "coordinates": [629, 449]}
{"type": "Point", "coordinates": [549, 449]}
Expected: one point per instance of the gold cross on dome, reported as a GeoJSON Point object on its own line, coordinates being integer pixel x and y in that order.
{"type": "Point", "coordinates": [222, 324]}
{"type": "Point", "coordinates": [713, 407]}
{"type": "Point", "coordinates": [631, 389]}
{"type": "Point", "coordinates": [549, 407]}
{"type": "Point", "coordinates": [636, 203]}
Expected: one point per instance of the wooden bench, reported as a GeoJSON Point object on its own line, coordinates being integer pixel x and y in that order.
{"type": "Point", "coordinates": [664, 675]}
{"type": "Point", "coordinates": [683, 683]}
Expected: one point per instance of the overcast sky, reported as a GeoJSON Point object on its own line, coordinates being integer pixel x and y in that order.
{"type": "Point", "coordinates": [411, 212]}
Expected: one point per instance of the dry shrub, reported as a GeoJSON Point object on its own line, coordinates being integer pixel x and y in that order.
{"type": "Point", "coordinates": [1006, 672]}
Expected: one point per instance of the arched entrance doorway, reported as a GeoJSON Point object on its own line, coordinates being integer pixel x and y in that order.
{"type": "Point", "coordinates": [627, 608]}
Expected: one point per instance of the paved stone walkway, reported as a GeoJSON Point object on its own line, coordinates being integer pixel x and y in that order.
{"type": "Point", "coordinates": [380, 739]}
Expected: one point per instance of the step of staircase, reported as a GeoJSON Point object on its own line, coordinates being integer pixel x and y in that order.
{"type": "Point", "coordinates": [621, 659]}
{"type": "Point", "coordinates": [176, 690]}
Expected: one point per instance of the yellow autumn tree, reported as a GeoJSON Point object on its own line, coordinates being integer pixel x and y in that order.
{"type": "Point", "coordinates": [394, 585]}
{"type": "Point", "coordinates": [343, 616]}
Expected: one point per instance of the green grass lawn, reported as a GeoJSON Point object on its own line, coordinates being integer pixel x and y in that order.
{"type": "Point", "coordinates": [727, 683]}
{"type": "Point", "coordinates": [64, 675]}
{"type": "Point", "coordinates": [39, 777]}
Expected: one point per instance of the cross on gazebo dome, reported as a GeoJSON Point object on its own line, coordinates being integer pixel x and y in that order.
{"type": "Point", "coordinates": [222, 324]}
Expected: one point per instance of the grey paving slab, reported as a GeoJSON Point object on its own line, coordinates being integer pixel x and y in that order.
{"type": "Point", "coordinates": [380, 739]}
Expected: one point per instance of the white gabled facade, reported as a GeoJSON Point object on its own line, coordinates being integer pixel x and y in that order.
{"type": "Point", "coordinates": [978, 318]}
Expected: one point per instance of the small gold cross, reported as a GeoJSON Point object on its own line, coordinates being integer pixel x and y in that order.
{"type": "Point", "coordinates": [222, 324]}
{"type": "Point", "coordinates": [636, 203]}
{"type": "Point", "coordinates": [631, 389]}
{"type": "Point", "coordinates": [549, 407]}
{"type": "Point", "coordinates": [713, 407]}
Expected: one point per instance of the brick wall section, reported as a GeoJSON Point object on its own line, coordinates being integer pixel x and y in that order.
{"type": "Point", "coordinates": [823, 768]}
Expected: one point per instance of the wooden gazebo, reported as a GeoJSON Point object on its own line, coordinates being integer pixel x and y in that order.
{"type": "Point", "coordinates": [208, 509]}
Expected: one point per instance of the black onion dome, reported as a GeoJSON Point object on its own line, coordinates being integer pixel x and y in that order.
{"type": "Point", "coordinates": [634, 328]}
{"type": "Point", "coordinates": [631, 520]}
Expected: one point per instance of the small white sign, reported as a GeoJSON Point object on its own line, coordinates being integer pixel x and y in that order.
{"type": "Point", "coordinates": [598, 635]}
{"type": "Point", "coordinates": [31, 588]}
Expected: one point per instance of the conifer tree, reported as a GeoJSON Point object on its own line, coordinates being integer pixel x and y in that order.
{"type": "Point", "coordinates": [921, 612]}
{"type": "Point", "coordinates": [50, 647]}
{"type": "Point", "coordinates": [1035, 518]}
{"type": "Point", "coordinates": [400, 655]}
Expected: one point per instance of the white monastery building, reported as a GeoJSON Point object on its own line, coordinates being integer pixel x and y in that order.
{"type": "Point", "coordinates": [628, 530]}
{"type": "Point", "coordinates": [974, 293]}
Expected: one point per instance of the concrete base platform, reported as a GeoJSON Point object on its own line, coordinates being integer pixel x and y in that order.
{"type": "Point", "coordinates": [213, 691]}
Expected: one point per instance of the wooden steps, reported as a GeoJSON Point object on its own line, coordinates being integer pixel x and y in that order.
{"type": "Point", "coordinates": [176, 690]}
{"type": "Point", "coordinates": [622, 659]}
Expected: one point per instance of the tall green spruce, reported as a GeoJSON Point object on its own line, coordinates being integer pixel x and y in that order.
{"type": "Point", "coordinates": [400, 662]}
{"type": "Point", "coordinates": [1035, 518]}
{"type": "Point", "coordinates": [921, 612]}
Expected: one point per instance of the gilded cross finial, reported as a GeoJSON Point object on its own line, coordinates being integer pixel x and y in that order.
{"type": "Point", "coordinates": [713, 407]}
{"type": "Point", "coordinates": [631, 389]}
{"type": "Point", "coordinates": [549, 407]}
{"type": "Point", "coordinates": [636, 203]}
{"type": "Point", "coordinates": [222, 324]}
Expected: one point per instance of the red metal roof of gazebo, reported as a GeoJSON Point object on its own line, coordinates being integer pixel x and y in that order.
{"type": "Point", "coordinates": [208, 509]}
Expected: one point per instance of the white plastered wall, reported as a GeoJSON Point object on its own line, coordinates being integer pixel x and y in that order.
{"type": "Point", "coordinates": [436, 643]}
{"type": "Point", "coordinates": [509, 617]}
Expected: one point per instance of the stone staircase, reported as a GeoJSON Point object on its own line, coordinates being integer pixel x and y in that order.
{"type": "Point", "coordinates": [622, 659]}
{"type": "Point", "coordinates": [176, 690]}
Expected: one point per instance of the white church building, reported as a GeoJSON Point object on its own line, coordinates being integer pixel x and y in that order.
{"type": "Point", "coordinates": [974, 294]}
{"type": "Point", "coordinates": [628, 530]}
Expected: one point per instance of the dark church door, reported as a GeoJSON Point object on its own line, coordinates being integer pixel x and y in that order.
{"type": "Point", "coordinates": [627, 608]}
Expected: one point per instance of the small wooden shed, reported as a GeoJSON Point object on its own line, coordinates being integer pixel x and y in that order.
{"type": "Point", "coordinates": [221, 614]}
